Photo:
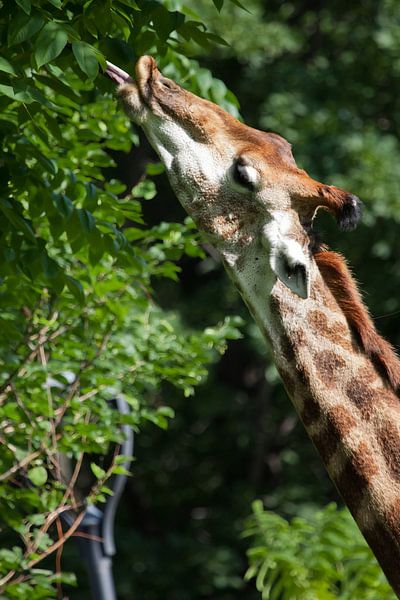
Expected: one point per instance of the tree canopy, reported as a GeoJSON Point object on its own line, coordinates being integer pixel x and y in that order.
{"type": "Point", "coordinates": [106, 289]}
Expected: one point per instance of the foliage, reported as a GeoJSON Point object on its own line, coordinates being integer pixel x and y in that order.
{"type": "Point", "coordinates": [79, 323]}
{"type": "Point", "coordinates": [312, 559]}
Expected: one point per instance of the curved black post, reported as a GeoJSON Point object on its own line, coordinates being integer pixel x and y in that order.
{"type": "Point", "coordinates": [98, 563]}
{"type": "Point", "coordinates": [98, 546]}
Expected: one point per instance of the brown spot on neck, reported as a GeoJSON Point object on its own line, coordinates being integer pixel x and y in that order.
{"type": "Point", "coordinates": [352, 484]}
{"type": "Point", "coordinates": [337, 424]}
{"type": "Point", "coordinates": [364, 462]}
{"type": "Point", "coordinates": [335, 332]}
{"type": "Point", "coordinates": [311, 411]}
{"type": "Point", "coordinates": [389, 441]}
{"type": "Point", "coordinates": [328, 365]}
{"type": "Point", "coordinates": [362, 396]}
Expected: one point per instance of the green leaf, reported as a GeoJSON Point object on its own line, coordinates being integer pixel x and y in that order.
{"type": "Point", "coordinates": [165, 22]}
{"type": "Point", "coordinates": [218, 4]}
{"type": "Point", "coordinates": [75, 287]}
{"type": "Point", "coordinates": [6, 66]}
{"type": "Point", "coordinates": [38, 475]}
{"type": "Point", "coordinates": [49, 164]}
{"type": "Point", "coordinates": [144, 189]}
{"type": "Point", "coordinates": [56, 3]}
{"type": "Point", "coordinates": [50, 43]}
{"type": "Point", "coordinates": [17, 220]}
{"type": "Point", "coordinates": [217, 39]}
{"type": "Point", "coordinates": [51, 270]}
{"type": "Point", "coordinates": [64, 205]}
{"type": "Point", "coordinates": [98, 472]}
{"type": "Point", "coordinates": [86, 57]}
{"type": "Point", "coordinates": [240, 5]}
{"type": "Point", "coordinates": [167, 411]}
{"type": "Point", "coordinates": [86, 219]}
{"type": "Point", "coordinates": [11, 92]}
{"type": "Point", "coordinates": [120, 470]}
{"type": "Point", "coordinates": [58, 86]}
{"type": "Point", "coordinates": [23, 27]}
{"type": "Point", "coordinates": [25, 5]}
{"type": "Point", "coordinates": [52, 126]}
{"type": "Point", "coordinates": [10, 558]}
{"type": "Point", "coordinates": [155, 168]}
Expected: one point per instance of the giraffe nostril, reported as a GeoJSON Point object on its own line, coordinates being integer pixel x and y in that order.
{"type": "Point", "coordinates": [166, 83]}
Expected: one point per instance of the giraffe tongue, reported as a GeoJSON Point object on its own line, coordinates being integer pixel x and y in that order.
{"type": "Point", "coordinates": [117, 75]}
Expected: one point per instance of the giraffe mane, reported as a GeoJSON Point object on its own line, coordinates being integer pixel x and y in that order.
{"type": "Point", "coordinates": [337, 276]}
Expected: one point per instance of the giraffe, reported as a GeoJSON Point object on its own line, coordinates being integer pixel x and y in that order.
{"type": "Point", "coordinates": [244, 190]}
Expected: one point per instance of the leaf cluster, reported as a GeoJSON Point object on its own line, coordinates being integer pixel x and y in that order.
{"type": "Point", "coordinates": [319, 558]}
{"type": "Point", "coordinates": [79, 320]}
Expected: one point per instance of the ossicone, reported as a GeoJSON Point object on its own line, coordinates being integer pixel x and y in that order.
{"type": "Point", "coordinates": [309, 195]}
{"type": "Point", "coordinates": [346, 207]}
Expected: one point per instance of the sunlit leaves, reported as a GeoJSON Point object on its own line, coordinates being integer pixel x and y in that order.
{"type": "Point", "coordinates": [320, 558]}
{"type": "Point", "coordinates": [97, 471]}
{"type": "Point", "coordinates": [15, 94]}
{"type": "Point", "coordinates": [38, 475]}
{"type": "Point", "coordinates": [79, 319]}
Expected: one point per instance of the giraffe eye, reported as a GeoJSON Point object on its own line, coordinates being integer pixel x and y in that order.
{"type": "Point", "coordinates": [245, 175]}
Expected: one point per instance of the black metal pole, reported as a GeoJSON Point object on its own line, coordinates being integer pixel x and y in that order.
{"type": "Point", "coordinates": [97, 545]}
{"type": "Point", "coordinates": [98, 563]}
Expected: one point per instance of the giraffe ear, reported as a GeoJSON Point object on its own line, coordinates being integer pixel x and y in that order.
{"type": "Point", "coordinates": [291, 265]}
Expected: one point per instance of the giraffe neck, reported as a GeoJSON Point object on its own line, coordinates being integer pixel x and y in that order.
{"type": "Point", "coordinates": [347, 408]}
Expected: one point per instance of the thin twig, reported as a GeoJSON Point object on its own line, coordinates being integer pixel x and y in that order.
{"type": "Point", "coordinates": [43, 360]}
{"type": "Point", "coordinates": [58, 558]}
{"type": "Point", "coordinates": [88, 536]}
{"type": "Point", "coordinates": [22, 463]}
{"type": "Point", "coordinates": [60, 542]}
{"type": "Point", "coordinates": [72, 481]}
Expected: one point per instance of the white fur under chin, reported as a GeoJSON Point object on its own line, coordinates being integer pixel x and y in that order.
{"type": "Point", "coordinates": [185, 159]}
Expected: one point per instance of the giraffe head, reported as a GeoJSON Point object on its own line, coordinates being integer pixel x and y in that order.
{"type": "Point", "coordinates": [239, 184]}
